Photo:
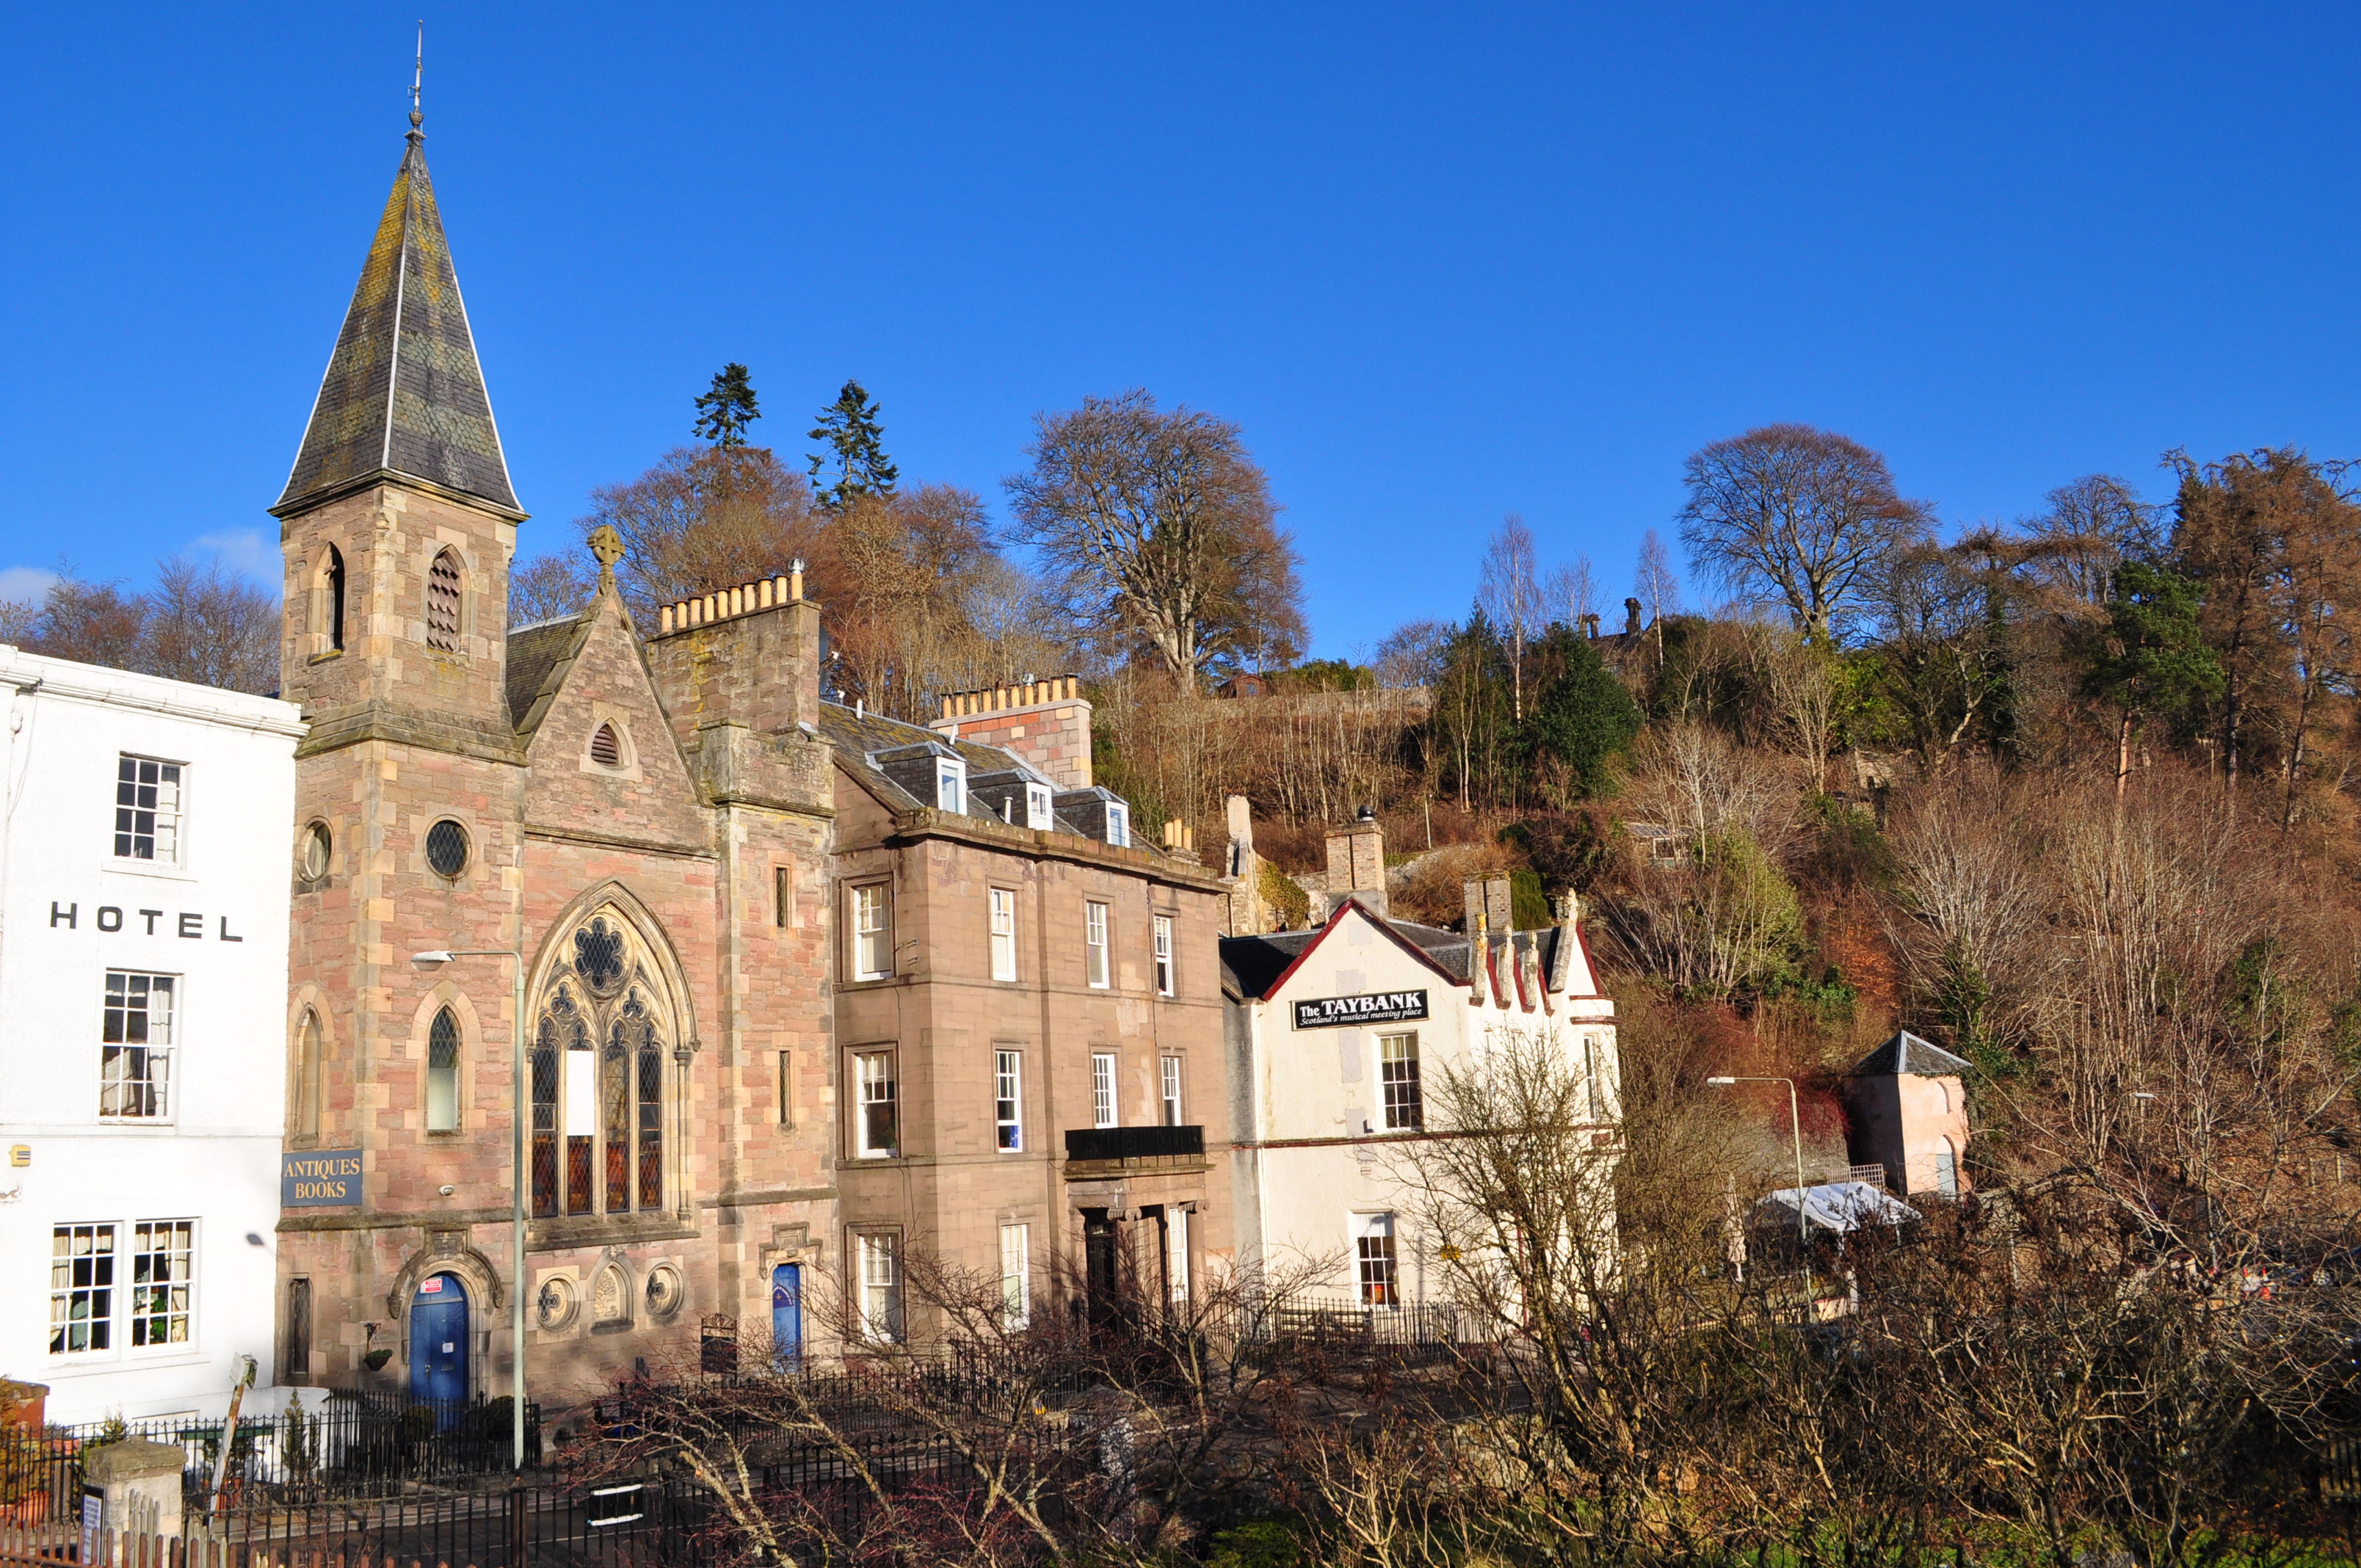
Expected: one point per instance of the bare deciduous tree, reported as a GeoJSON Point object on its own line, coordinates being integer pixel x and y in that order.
{"type": "Point", "coordinates": [1157, 527]}
{"type": "Point", "coordinates": [1510, 593]}
{"type": "Point", "coordinates": [1794, 516]}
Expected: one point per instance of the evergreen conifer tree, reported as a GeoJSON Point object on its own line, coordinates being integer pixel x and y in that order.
{"type": "Point", "coordinates": [724, 411]}
{"type": "Point", "coordinates": [856, 446]}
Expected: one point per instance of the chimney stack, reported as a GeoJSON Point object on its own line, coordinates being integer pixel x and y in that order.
{"type": "Point", "coordinates": [1488, 905]}
{"type": "Point", "coordinates": [1357, 864]}
{"type": "Point", "coordinates": [1047, 723]}
{"type": "Point", "coordinates": [1244, 869]}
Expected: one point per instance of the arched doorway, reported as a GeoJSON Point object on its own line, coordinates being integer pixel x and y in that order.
{"type": "Point", "coordinates": [438, 1344]}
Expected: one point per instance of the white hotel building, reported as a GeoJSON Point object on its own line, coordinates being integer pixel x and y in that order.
{"type": "Point", "coordinates": [144, 883]}
{"type": "Point", "coordinates": [1337, 1035]}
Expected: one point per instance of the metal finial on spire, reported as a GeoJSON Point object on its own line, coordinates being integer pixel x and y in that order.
{"type": "Point", "coordinates": [418, 79]}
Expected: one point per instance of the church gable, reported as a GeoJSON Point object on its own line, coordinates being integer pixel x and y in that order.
{"type": "Point", "coordinates": [602, 754]}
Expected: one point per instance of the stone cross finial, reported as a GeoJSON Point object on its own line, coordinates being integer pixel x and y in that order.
{"type": "Point", "coordinates": [608, 546]}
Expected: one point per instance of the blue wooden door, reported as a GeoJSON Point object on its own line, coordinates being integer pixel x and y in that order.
{"type": "Point", "coordinates": [438, 1342]}
{"type": "Point", "coordinates": [787, 1313]}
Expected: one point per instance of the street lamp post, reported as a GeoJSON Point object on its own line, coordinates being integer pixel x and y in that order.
{"type": "Point", "coordinates": [1795, 1121]}
{"type": "Point", "coordinates": [428, 962]}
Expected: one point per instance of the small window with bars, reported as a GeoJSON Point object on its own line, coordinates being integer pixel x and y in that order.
{"type": "Point", "coordinates": [147, 810]}
{"type": "Point", "coordinates": [443, 603]}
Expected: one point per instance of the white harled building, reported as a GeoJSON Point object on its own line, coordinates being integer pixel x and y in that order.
{"type": "Point", "coordinates": [144, 877]}
{"type": "Point", "coordinates": [1337, 1035]}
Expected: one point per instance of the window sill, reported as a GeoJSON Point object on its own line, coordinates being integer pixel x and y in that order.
{"type": "Point", "coordinates": [323, 658]}
{"type": "Point", "coordinates": [123, 866]}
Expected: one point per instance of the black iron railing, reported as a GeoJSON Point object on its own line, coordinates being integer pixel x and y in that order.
{"type": "Point", "coordinates": [1135, 1143]}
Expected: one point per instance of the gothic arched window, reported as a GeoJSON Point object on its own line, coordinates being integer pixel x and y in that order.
{"type": "Point", "coordinates": [328, 603]}
{"type": "Point", "coordinates": [443, 603]}
{"type": "Point", "coordinates": [598, 1077]}
{"type": "Point", "coordinates": [443, 1073]}
{"type": "Point", "coordinates": [307, 1075]}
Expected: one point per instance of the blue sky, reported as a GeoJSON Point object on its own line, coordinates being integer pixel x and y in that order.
{"type": "Point", "coordinates": [1440, 264]}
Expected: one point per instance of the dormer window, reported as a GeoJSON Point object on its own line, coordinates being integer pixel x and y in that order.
{"type": "Point", "coordinates": [1037, 806]}
{"type": "Point", "coordinates": [1118, 825]}
{"type": "Point", "coordinates": [951, 783]}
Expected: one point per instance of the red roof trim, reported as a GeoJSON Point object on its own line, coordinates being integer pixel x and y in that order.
{"type": "Point", "coordinates": [1404, 943]}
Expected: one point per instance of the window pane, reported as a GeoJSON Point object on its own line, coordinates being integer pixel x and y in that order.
{"type": "Point", "coordinates": [1397, 1070]}
{"type": "Point", "coordinates": [881, 1286]}
{"type": "Point", "coordinates": [1170, 1070]}
{"type": "Point", "coordinates": [1095, 940]}
{"type": "Point", "coordinates": [442, 1073]}
{"type": "Point", "coordinates": [877, 1130]}
{"type": "Point", "coordinates": [162, 1259]}
{"type": "Point", "coordinates": [1007, 1099]}
{"type": "Point", "coordinates": [1015, 1273]}
{"type": "Point", "coordinates": [1375, 1249]}
{"type": "Point", "coordinates": [1103, 1102]}
{"type": "Point", "coordinates": [82, 1290]}
{"type": "Point", "coordinates": [135, 1037]}
{"type": "Point", "coordinates": [1003, 933]}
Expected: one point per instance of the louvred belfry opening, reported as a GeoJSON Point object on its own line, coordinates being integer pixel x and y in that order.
{"type": "Point", "coordinates": [443, 603]}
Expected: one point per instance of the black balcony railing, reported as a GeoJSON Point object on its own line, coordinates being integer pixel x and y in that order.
{"type": "Point", "coordinates": [1135, 1143]}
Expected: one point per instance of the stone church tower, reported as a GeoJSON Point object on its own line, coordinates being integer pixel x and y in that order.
{"type": "Point", "coordinates": [646, 823]}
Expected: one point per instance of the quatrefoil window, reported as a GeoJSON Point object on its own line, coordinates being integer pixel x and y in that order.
{"type": "Point", "coordinates": [598, 957]}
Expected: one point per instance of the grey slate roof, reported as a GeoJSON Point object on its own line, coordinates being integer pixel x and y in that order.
{"type": "Point", "coordinates": [1906, 1055]}
{"type": "Point", "coordinates": [859, 736]}
{"type": "Point", "coordinates": [537, 653]}
{"type": "Point", "coordinates": [403, 393]}
{"type": "Point", "coordinates": [1252, 965]}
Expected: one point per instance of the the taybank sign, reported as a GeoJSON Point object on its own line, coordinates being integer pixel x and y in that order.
{"type": "Point", "coordinates": [1375, 1007]}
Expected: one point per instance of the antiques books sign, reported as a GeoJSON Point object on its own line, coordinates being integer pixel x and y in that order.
{"type": "Point", "coordinates": [333, 1178]}
{"type": "Point", "coordinates": [1377, 1008]}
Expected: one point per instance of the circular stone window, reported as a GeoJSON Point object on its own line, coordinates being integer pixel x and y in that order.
{"type": "Point", "coordinates": [667, 1290]}
{"type": "Point", "coordinates": [556, 1302]}
{"type": "Point", "coordinates": [313, 860]}
{"type": "Point", "coordinates": [446, 848]}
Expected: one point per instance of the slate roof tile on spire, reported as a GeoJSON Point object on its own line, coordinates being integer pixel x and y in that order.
{"type": "Point", "coordinates": [403, 395]}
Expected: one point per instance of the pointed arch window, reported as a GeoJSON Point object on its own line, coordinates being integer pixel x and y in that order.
{"type": "Point", "coordinates": [443, 1073]}
{"type": "Point", "coordinates": [307, 1075]}
{"type": "Point", "coordinates": [607, 1105]}
{"type": "Point", "coordinates": [443, 603]}
{"type": "Point", "coordinates": [328, 603]}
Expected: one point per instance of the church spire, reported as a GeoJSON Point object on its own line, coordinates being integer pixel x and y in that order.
{"type": "Point", "coordinates": [403, 398]}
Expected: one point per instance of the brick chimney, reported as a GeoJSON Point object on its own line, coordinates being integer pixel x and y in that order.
{"type": "Point", "coordinates": [1357, 864]}
{"type": "Point", "coordinates": [1244, 871]}
{"type": "Point", "coordinates": [1047, 723]}
{"type": "Point", "coordinates": [746, 655]}
{"type": "Point", "coordinates": [1488, 903]}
